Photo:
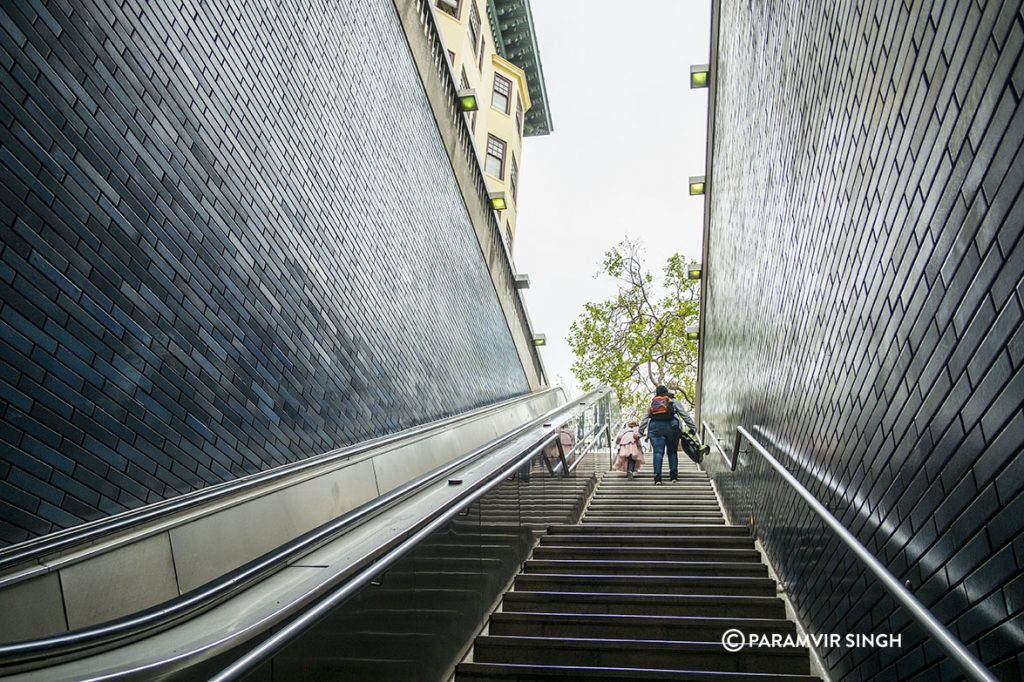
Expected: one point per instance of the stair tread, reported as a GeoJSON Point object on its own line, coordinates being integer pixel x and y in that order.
{"type": "Point", "coordinates": [641, 597]}
{"type": "Point", "coordinates": [713, 647]}
{"type": "Point", "coordinates": [562, 528]}
{"type": "Point", "coordinates": [745, 624]}
{"type": "Point", "coordinates": [521, 671]}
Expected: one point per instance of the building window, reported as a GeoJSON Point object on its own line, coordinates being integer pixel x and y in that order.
{"type": "Point", "coordinates": [480, 65]}
{"type": "Point", "coordinates": [450, 7]}
{"type": "Point", "coordinates": [513, 179]}
{"type": "Point", "coordinates": [495, 162]}
{"type": "Point", "coordinates": [519, 116]}
{"type": "Point", "coordinates": [474, 25]}
{"type": "Point", "coordinates": [451, 57]}
{"type": "Point", "coordinates": [502, 93]}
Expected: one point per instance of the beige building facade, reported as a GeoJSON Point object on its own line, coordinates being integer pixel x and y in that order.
{"type": "Point", "coordinates": [492, 50]}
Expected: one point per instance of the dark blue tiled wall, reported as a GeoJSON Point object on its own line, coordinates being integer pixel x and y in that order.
{"type": "Point", "coordinates": [865, 300]}
{"type": "Point", "coordinates": [231, 238]}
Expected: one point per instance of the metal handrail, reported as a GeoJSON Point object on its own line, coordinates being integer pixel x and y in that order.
{"type": "Point", "coordinates": [611, 453]}
{"type": "Point", "coordinates": [969, 664]}
{"type": "Point", "coordinates": [215, 592]}
{"type": "Point", "coordinates": [90, 532]}
{"type": "Point", "coordinates": [585, 441]}
{"type": "Point", "coordinates": [323, 606]}
{"type": "Point", "coordinates": [601, 428]}
{"type": "Point", "coordinates": [718, 445]}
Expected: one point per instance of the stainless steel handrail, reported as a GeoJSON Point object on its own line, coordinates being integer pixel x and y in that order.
{"type": "Point", "coordinates": [599, 430]}
{"type": "Point", "coordinates": [611, 451]}
{"type": "Point", "coordinates": [583, 445]}
{"type": "Point", "coordinates": [714, 440]}
{"type": "Point", "coordinates": [969, 664]}
{"type": "Point", "coordinates": [323, 606]}
{"type": "Point", "coordinates": [215, 592]}
{"type": "Point", "coordinates": [92, 531]}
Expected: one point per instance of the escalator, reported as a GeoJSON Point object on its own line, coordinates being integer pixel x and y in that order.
{"type": "Point", "coordinates": [398, 578]}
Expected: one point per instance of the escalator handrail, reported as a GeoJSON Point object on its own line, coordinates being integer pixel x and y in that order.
{"type": "Point", "coordinates": [954, 648]}
{"type": "Point", "coordinates": [151, 620]}
{"type": "Point", "coordinates": [397, 548]}
{"type": "Point", "coordinates": [30, 550]}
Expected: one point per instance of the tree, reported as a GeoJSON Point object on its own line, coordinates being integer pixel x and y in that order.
{"type": "Point", "coordinates": [636, 340]}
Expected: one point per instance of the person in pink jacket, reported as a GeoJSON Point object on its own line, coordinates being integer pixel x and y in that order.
{"type": "Point", "coordinates": [631, 453]}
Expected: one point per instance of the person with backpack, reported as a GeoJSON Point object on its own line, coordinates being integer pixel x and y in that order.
{"type": "Point", "coordinates": [662, 429]}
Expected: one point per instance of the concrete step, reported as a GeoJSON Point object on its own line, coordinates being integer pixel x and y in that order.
{"type": "Point", "coordinates": [641, 502]}
{"type": "Point", "coordinates": [634, 501]}
{"type": "Point", "coordinates": [646, 484]}
{"type": "Point", "coordinates": [629, 584]}
{"type": "Point", "coordinates": [644, 497]}
{"type": "Point", "coordinates": [500, 672]}
{"type": "Point", "coordinates": [646, 604]}
{"type": "Point", "coordinates": [666, 517]}
{"type": "Point", "coordinates": [651, 541]}
{"type": "Point", "coordinates": [646, 476]}
{"type": "Point", "coordinates": [646, 515]}
{"type": "Point", "coordinates": [612, 626]}
{"type": "Point", "coordinates": [604, 552]}
{"type": "Point", "coordinates": [646, 529]}
{"type": "Point", "coordinates": [681, 517]}
{"type": "Point", "coordinates": [649, 515]}
{"type": "Point", "coordinates": [645, 568]}
{"type": "Point", "coordinates": [709, 656]}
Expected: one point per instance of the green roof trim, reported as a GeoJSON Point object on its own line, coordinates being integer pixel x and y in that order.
{"type": "Point", "coordinates": [512, 25]}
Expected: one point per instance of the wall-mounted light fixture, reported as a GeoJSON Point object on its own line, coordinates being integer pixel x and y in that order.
{"type": "Point", "coordinates": [522, 281]}
{"type": "Point", "coordinates": [467, 100]}
{"type": "Point", "coordinates": [692, 333]}
{"type": "Point", "coordinates": [540, 340]}
{"type": "Point", "coordinates": [699, 76]}
{"type": "Point", "coordinates": [694, 271]}
{"type": "Point", "coordinates": [497, 201]}
{"type": "Point", "coordinates": [696, 185]}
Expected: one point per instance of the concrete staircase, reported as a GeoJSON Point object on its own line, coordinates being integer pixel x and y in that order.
{"type": "Point", "coordinates": [641, 589]}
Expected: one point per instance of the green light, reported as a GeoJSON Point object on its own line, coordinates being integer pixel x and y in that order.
{"type": "Point", "coordinates": [693, 273]}
{"type": "Point", "coordinates": [692, 336]}
{"type": "Point", "coordinates": [540, 340]}
{"type": "Point", "coordinates": [696, 188]}
{"type": "Point", "coordinates": [467, 100]}
{"type": "Point", "coordinates": [699, 75]}
{"type": "Point", "coordinates": [498, 201]}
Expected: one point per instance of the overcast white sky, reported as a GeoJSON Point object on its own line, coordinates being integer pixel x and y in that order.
{"type": "Point", "coordinates": [628, 133]}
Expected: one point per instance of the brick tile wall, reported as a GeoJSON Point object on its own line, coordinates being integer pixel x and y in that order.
{"type": "Point", "coordinates": [230, 238]}
{"type": "Point", "coordinates": [865, 280]}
